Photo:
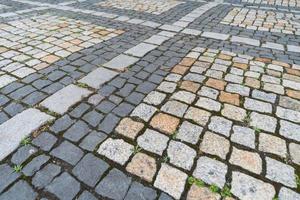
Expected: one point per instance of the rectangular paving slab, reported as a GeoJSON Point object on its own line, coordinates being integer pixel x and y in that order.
{"type": "Point", "coordinates": [19, 127]}
{"type": "Point", "coordinates": [62, 100]}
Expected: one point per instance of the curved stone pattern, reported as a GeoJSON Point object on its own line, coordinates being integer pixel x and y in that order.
{"type": "Point", "coordinates": [149, 99]}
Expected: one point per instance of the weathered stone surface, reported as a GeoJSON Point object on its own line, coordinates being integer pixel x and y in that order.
{"type": "Point", "coordinates": [68, 152]}
{"type": "Point", "coordinates": [263, 122]}
{"type": "Point", "coordinates": [202, 193]}
{"type": "Point", "coordinates": [64, 187]}
{"type": "Point", "coordinates": [215, 145]}
{"type": "Point", "coordinates": [165, 123]}
{"type": "Point", "coordinates": [247, 187]}
{"type": "Point", "coordinates": [20, 190]}
{"type": "Point", "coordinates": [62, 100]}
{"type": "Point", "coordinates": [140, 50]}
{"type": "Point", "coordinates": [181, 155]}
{"type": "Point", "coordinates": [233, 112]}
{"type": "Point", "coordinates": [97, 77]}
{"type": "Point", "coordinates": [280, 172]}
{"type": "Point", "coordinates": [220, 125]}
{"type": "Point", "coordinates": [116, 149]}
{"type": "Point", "coordinates": [129, 128]}
{"type": "Point", "coordinates": [90, 169]}
{"type": "Point", "coordinates": [244, 136]}
{"type": "Point", "coordinates": [210, 171]}
{"type": "Point", "coordinates": [19, 127]}
{"type": "Point", "coordinates": [289, 130]}
{"type": "Point", "coordinates": [288, 194]}
{"type": "Point", "coordinates": [170, 180]}
{"type": "Point", "coordinates": [143, 166]}
{"type": "Point", "coordinates": [199, 116]}
{"type": "Point", "coordinates": [272, 144]}
{"type": "Point", "coordinates": [114, 185]}
{"type": "Point", "coordinates": [247, 160]}
{"type": "Point", "coordinates": [7, 176]}
{"type": "Point", "coordinates": [121, 62]}
{"type": "Point", "coordinates": [153, 141]}
{"type": "Point", "coordinates": [189, 132]}
{"type": "Point", "coordinates": [144, 111]}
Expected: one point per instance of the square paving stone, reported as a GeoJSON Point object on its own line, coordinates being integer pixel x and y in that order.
{"type": "Point", "coordinates": [20, 190]}
{"type": "Point", "coordinates": [129, 128]}
{"type": "Point", "coordinates": [93, 118]}
{"type": "Point", "coordinates": [174, 108]}
{"type": "Point", "coordinates": [281, 173]}
{"type": "Point", "coordinates": [189, 132]}
{"type": "Point", "coordinates": [215, 145]}
{"type": "Point", "coordinates": [143, 166]}
{"type": "Point", "coordinates": [114, 185]}
{"type": "Point", "coordinates": [121, 62]}
{"type": "Point", "coordinates": [244, 136]}
{"type": "Point", "coordinates": [116, 149]}
{"type": "Point", "coordinates": [220, 125]}
{"type": "Point", "coordinates": [263, 122]}
{"type": "Point", "coordinates": [77, 131]}
{"type": "Point", "coordinates": [246, 187]}
{"type": "Point", "coordinates": [85, 195]}
{"type": "Point", "coordinates": [67, 152]}
{"type": "Point", "coordinates": [138, 191]}
{"type": "Point", "coordinates": [45, 141]}
{"type": "Point", "coordinates": [22, 154]}
{"type": "Point", "coordinates": [155, 98]}
{"type": "Point", "coordinates": [153, 141]}
{"type": "Point", "coordinates": [90, 169]}
{"type": "Point", "coordinates": [211, 171]}
{"type": "Point", "coordinates": [7, 176]}
{"type": "Point", "coordinates": [35, 164]}
{"type": "Point", "coordinates": [171, 180]}
{"type": "Point", "coordinates": [64, 187]}
{"type": "Point", "coordinates": [165, 123]}
{"type": "Point", "coordinates": [44, 177]}
{"type": "Point", "coordinates": [92, 140]}
{"type": "Point", "coordinates": [197, 115]}
{"type": "Point", "coordinates": [144, 111]}
{"type": "Point", "coordinates": [181, 155]}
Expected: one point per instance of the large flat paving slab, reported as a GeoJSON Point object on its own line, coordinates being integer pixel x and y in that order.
{"type": "Point", "coordinates": [62, 100]}
{"type": "Point", "coordinates": [19, 127]}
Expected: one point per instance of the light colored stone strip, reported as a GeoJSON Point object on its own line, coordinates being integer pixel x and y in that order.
{"type": "Point", "coordinates": [97, 77]}
{"type": "Point", "coordinates": [189, 18]}
{"type": "Point", "coordinates": [20, 12]}
{"type": "Point", "coordinates": [19, 127]}
{"type": "Point", "coordinates": [63, 99]}
{"type": "Point", "coordinates": [243, 40]}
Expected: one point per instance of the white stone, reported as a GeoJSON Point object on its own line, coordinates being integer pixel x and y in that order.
{"type": "Point", "coordinates": [63, 99]}
{"type": "Point", "coordinates": [121, 62]}
{"type": "Point", "coordinates": [19, 127]}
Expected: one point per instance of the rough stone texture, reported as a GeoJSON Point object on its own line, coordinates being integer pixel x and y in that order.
{"type": "Point", "coordinates": [64, 186]}
{"type": "Point", "coordinates": [199, 116]}
{"type": "Point", "coordinates": [62, 100]}
{"type": "Point", "coordinates": [165, 123]}
{"type": "Point", "coordinates": [210, 171]}
{"type": "Point", "coordinates": [294, 152]}
{"type": "Point", "coordinates": [189, 132]}
{"type": "Point", "coordinates": [144, 111]}
{"type": "Point", "coordinates": [201, 193]}
{"type": "Point", "coordinates": [171, 180]}
{"type": "Point", "coordinates": [181, 155]}
{"type": "Point", "coordinates": [280, 172]}
{"type": "Point", "coordinates": [129, 128]}
{"type": "Point", "coordinates": [272, 144]}
{"type": "Point", "coordinates": [263, 122]}
{"type": "Point", "coordinates": [21, 190]}
{"type": "Point", "coordinates": [153, 141]}
{"type": "Point", "coordinates": [90, 169]}
{"type": "Point", "coordinates": [116, 149]}
{"type": "Point", "coordinates": [244, 136]}
{"type": "Point", "coordinates": [220, 125]}
{"type": "Point", "coordinates": [247, 187]}
{"type": "Point", "coordinates": [143, 166]}
{"type": "Point", "coordinates": [215, 145]}
{"type": "Point", "coordinates": [68, 152]}
{"type": "Point", "coordinates": [247, 160]}
{"type": "Point", "coordinates": [114, 185]}
{"type": "Point", "coordinates": [19, 127]}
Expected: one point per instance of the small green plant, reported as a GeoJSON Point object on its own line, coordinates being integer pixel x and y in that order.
{"type": "Point", "coordinates": [136, 149]}
{"type": "Point", "coordinates": [174, 135]}
{"type": "Point", "coordinates": [26, 141]}
{"type": "Point", "coordinates": [257, 130]}
{"type": "Point", "coordinates": [165, 159]}
{"type": "Point", "coordinates": [193, 180]}
{"type": "Point", "coordinates": [226, 192]}
{"type": "Point", "coordinates": [83, 85]}
{"type": "Point", "coordinates": [275, 198]}
{"type": "Point", "coordinates": [18, 168]}
{"type": "Point", "coordinates": [214, 188]}
{"type": "Point", "coordinates": [247, 119]}
{"type": "Point", "coordinates": [297, 180]}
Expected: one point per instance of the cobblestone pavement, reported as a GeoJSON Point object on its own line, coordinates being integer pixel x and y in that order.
{"type": "Point", "coordinates": [150, 99]}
